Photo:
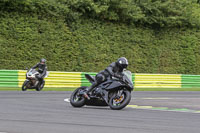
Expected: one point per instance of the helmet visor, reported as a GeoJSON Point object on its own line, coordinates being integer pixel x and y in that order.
{"type": "Point", "coordinates": [124, 65]}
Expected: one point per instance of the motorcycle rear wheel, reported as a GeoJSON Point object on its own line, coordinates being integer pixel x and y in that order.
{"type": "Point", "coordinates": [75, 99]}
{"type": "Point", "coordinates": [40, 87]}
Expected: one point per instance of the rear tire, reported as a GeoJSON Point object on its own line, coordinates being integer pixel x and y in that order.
{"type": "Point", "coordinates": [75, 100]}
{"type": "Point", "coordinates": [24, 88]}
{"type": "Point", "coordinates": [40, 87]}
{"type": "Point", "coordinates": [127, 97]}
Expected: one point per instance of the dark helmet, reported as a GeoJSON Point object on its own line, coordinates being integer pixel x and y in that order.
{"type": "Point", "coordinates": [43, 60]}
{"type": "Point", "coordinates": [122, 62]}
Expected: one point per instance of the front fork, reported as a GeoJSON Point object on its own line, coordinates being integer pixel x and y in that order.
{"type": "Point", "coordinates": [106, 95]}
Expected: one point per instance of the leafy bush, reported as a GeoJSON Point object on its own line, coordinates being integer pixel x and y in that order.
{"type": "Point", "coordinates": [157, 36]}
{"type": "Point", "coordinates": [154, 13]}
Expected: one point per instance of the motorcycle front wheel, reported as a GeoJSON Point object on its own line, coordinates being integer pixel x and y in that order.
{"type": "Point", "coordinates": [76, 100]}
{"type": "Point", "coordinates": [118, 102]}
{"type": "Point", "coordinates": [24, 86]}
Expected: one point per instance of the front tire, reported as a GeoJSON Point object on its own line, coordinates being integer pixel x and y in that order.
{"type": "Point", "coordinates": [24, 86]}
{"type": "Point", "coordinates": [75, 99]}
{"type": "Point", "coordinates": [119, 102]}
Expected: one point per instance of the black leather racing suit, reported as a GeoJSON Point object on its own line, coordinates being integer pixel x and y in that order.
{"type": "Point", "coordinates": [42, 69]}
{"type": "Point", "coordinates": [112, 70]}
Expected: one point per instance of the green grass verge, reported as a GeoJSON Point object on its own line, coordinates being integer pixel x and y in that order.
{"type": "Point", "coordinates": [136, 89]}
{"type": "Point", "coordinates": [167, 89]}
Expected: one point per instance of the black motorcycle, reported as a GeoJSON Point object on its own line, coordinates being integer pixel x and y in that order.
{"type": "Point", "coordinates": [114, 92]}
{"type": "Point", "coordinates": [32, 82]}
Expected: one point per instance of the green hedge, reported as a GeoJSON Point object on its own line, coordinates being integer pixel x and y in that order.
{"type": "Point", "coordinates": [74, 40]}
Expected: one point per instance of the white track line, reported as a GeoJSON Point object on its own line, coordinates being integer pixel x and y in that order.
{"type": "Point", "coordinates": [157, 98]}
{"type": "Point", "coordinates": [66, 100]}
{"type": "Point", "coordinates": [149, 108]}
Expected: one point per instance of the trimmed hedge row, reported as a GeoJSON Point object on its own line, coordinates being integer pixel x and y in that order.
{"type": "Point", "coordinates": [93, 45]}
{"type": "Point", "coordinates": [87, 44]}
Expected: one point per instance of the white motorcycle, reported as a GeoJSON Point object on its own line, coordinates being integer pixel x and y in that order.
{"type": "Point", "coordinates": [32, 82]}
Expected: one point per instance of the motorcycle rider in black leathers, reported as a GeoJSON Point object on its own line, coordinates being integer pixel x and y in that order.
{"type": "Point", "coordinates": [115, 69]}
{"type": "Point", "coordinates": [42, 69]}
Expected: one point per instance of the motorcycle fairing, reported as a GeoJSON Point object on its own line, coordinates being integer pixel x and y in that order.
{"type": "Point", "coordinates": [115, 84]}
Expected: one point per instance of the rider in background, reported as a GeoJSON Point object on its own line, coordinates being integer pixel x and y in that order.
{"type": "Point", "coordinates": [115, 69]}
{"type": "Point", "coordinates": [42, 69]}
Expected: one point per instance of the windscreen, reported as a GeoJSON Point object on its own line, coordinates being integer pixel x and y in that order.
{"type": "Point", "coordinates": [128, 75]}
{"type": "Point", "coordinates": [32, 71]}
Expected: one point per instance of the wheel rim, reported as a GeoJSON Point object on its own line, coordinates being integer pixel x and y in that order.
{"type": "Point", "coordinates": [118, 100]}
{"type": "Point", "coordinates": [25, 86]}
{"type": "Point", "coordinates": [77, 97]}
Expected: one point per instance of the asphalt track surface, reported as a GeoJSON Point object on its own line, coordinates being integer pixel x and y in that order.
{"type": "Point", "coordinates": [47, 112]}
